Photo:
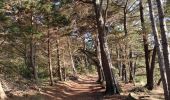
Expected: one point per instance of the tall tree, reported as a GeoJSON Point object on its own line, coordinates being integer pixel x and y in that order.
{"type": "Point", "coordinates": [101, 15]}
{"type": "Point", "coordinates": [71, 57]}
{"type": "Point", "coordinates": [164, 38]}
{"type": "Point", "coordinates": [149, 68]}
{"type": "Point", "coordinates": [49, 59]}
{"type": "Point", "coordinates": [159, 51]}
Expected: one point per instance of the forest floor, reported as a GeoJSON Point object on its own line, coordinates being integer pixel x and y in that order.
{"type": "Point", "coordinates": [85, 88]}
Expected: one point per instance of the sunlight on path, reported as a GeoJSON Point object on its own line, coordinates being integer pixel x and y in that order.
{"type": "Point", "coordinates": [85, 88]}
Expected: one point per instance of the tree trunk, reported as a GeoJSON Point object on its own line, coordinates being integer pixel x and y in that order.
{"type": "Point", "coordinates": [131, 67]}
{"type": "Point", "coordinates": [159, 82]}
{"type": "Point", "coordinates": [49, 60]}
{"type": "Point", "coordinates": [164, 39]}
{"type": "Point", "coordinates": [85, 57]}
{"type": "Point", "coordinates": [159, 52]}
{"type": "Point", "coordinates": [124, 73]}
{"type": "Point", "coordinates": [71, 58]}
{"type": "Point", "coordinates": [27, 58]}
{"type": "Point", "coordinates": [58, 61]}
{"type": "Point", "coordinates": [110, 87]}
{"type": "Point", "coordinates": [125, 18]}
{"type": "Point", "coordinates": [99, 67]}
{"type": "Point", "coordinates": [145, 42]}
{"type": "Point", "coordinates": [150, 83]}
{"type": "Point", "coordinates": [120, 61]}
{"type": "Point", "coordinates": [64, 67]}
{"type": "Point", "coordinates": [32, 52]}
{"type": "Point", "coordinates": [2, 93]}
{"type": "Point", "coordinates": [32, 59]}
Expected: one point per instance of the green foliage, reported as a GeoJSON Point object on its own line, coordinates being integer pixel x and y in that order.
{"type": "Point", "coordinates": [91, 69]}
{"type": "Point", "coordinates": [1, 3]}
{"type": "Point", "coordinates": [63, 2]}
{"type": "Point", "coordinates": [3, 18]}
{"type": "Point", "coordinates": [45, 7]}
{"type": "Point", "coordinates": [42, 74]}
{"type": "Point", "coordinates": [60, 20]}
{"type": "Point", "coordinates": [25, 72]}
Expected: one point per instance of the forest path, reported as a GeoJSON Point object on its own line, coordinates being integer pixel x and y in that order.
{"type": "Point", "coordinates": [85, 88]}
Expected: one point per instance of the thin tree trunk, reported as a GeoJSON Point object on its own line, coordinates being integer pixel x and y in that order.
{"type": "Point", "coordinates": [58, 61]}
{"type": "Point", "coordinates": [71, 58]}
{"type": "Point", "coordinates": [32, 59]}
{"type": "Point", "coordinates": [159, 52]}
{"type": "Point", "coordinates": [131, 67]}
{"type": "Point", "coordinates": [32, 52]}
{"type": "Point", "coordinates": [49, 60]}
{"type": "Point", "coordinates": [85, 57]}
{"type": "Point", "coordinates": [159, 82]}
{"type": "Point", "coordinates": [27, 58]}
{"type": "Point", "coordinates": [120, 61]}
{"type": "Point", "coordinates": [64, 68]}
{"type": "Point", "coordinates": [124, 72]}
{"type": "Point", "coordinates": [99, 68]}
{"type": "Point", "coordinates": [125, 19]}
{"type": "Point", "coordinates": [151, 70]}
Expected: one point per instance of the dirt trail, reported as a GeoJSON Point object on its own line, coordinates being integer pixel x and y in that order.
{"type": "Point", "coordinates": [83, 89]}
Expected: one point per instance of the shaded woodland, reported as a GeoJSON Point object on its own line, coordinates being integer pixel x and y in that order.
{"type": "Point", "coordinates": [84, 49]}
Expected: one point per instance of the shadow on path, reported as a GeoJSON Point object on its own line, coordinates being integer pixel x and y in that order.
{"type": "Point", "coordinates": [82, 89]}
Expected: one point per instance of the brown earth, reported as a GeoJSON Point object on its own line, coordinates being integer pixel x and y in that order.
{"type": "Point", "coordinates": [85, 88]}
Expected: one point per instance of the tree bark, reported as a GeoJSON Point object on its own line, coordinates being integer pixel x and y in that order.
{"type": "Point", "coordinates": [150, 84]}
{"type": "Point", "coordinates": [120, 61]}
{"type": "Point", "coordinates": [32, 52]}
{"type": "Point", "coordinates": [49, 60]}
{"type": "Point", "coordinates": [71, 58]}
{"type": "Point", "coordinates": [131, 67]}
{"type": "Point", "coordinates": [110, 87]}
{"type": "Point", "coordinates": [125, 19]}
{"type": "Point", "coordinates": [164, 38]}
{"type": "Point", "coordinates": [145, 42]}
{"type": "Point", "coordinates": [99, 68]}
{"type": "Point", "coordinates": [58, 60]}
{"type": "Point", "coordinates": [32, 59]}
{"type": "Point", "coordinates": [159, 82]}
